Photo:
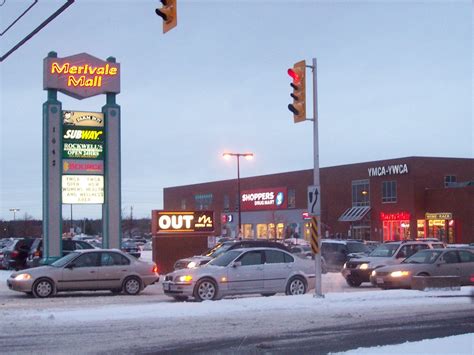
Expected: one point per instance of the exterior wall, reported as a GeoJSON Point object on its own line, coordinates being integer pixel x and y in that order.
{"type": "Point", "coordinates": [336, 193]}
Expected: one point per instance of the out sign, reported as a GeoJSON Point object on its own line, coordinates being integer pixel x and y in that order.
{"type": "Point", "coordinates": [165, 222]}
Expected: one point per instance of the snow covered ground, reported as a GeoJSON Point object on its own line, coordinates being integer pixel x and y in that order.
{"type": "Point", "coordinates": [152, 309]}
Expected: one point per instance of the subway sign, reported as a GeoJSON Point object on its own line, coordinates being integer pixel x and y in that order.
{"type": "Point", "coordinates": [264, 199]}
{"type": "Point", "coordinates": [183, 221]}
{"type": "Point", "coordinates": [81, 75]}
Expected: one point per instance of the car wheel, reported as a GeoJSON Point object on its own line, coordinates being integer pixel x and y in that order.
{"type": "Point", "coordinates": [43, 288]}
{"type": "Point", "coordinates": [180, 298]}
{"type": "Point", "coordinates": [353, 282]}
{"type": "Point", "coordinates": [423, 274]}
{"type": "Point", "coordinates": [296, 286]}
{"type": "Point", "coordinates": [268, 294]}
{"type": "Point", "coordinates": [132, 286]}
{"type": "Point", "coordinates": [205, 289]}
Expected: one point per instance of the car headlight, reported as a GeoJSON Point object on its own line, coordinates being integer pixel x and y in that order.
{"type": "Point", "coordinates": [191, 265]}
{"type": "Point", "coordinates": [399, 273]}
{"type": "Point", "coordinates": [185, 278]}
{"type": "Point", "coordinates": [364, 266]}
{"type": "Point", "coordinates": [374, 273]}
{"type": "Point", "coordinates": [21, 277]}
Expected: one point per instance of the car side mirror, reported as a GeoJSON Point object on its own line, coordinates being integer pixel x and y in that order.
{"type": "Point", "coordinates": [70, 266]}
{"type": "Point", "coordinates": [237, 264]}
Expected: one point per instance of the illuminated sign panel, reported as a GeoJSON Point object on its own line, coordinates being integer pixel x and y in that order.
{"type": "Point", "coordinates": [83, 150]}
{"type": "Point", "coordinates": [264, 199]}
{"type": "Point", "coordinates": [91, 134]}
{"type": "Point", "coordinates": [81, 75]}
{"type": "Point", "coordinates": [442, 215]}
{"type": "Point", "coordinates": [398, 216]}
{"type": "Point", "coordinates": [185, 222]}
{"type": "Point", "coordinates": [79, 118]}
{"type": "Point", "coordinates": [86, 167]}
{"type": "Point", "coordinates": [82, 189]}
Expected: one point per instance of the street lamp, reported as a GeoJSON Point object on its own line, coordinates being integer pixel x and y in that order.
{"type": "Point", "coordinates": [14, 210]}
{"type": "Point", "coordinates": [248, 156]}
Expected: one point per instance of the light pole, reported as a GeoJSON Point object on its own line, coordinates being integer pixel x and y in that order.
{"type": "Point", "coordinates": [247, 156]}
{"type": "Point", "coordinates": [14, 210]}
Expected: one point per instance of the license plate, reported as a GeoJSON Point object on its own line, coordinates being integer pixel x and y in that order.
{"type": "Point", "coordinates": [379, 280]}
{"type": "Point", "coordinates": [166, 287]}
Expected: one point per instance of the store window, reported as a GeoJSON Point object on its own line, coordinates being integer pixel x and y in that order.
{"type": "Point", "coordinates": [226, 203]}
{"type": "Point", "coordinates": [203, 201]}
{"type": "Point", "coordinates": [262, 231]}
{"type": "Point", "coordinates": [420, 228]}
{"type": "Point", "coordinates": [291, 198]}
{"type": "Point", "coordinates": [396, 226]}
{"type": "Point", "coordinates": [360, 193]}
{"type": "Point", "coordinates": [247, 231]}
{"type": "Point", "coordinates": [280, 227]}
{"type": "Point", "coordinates": [183, 204]}
{"type": "Point", "coordinates": [271, 231]}
{"type": "Point", "coordinates": [449, 180]}
{"type": "Point", "coordinates": [389, 191]}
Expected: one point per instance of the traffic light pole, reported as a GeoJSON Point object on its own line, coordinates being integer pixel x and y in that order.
{"type": "Point", "coordinates": [318, 289]}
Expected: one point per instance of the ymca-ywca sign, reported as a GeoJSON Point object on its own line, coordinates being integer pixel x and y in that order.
{"type": "Point", "coordinates": [81, 75]}
{"type": "Point", "coordinates": [183, 221]}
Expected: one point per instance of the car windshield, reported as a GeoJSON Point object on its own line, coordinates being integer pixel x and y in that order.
{"type": "Point", "coordinates": [423, 257]}
{"type": "Point", "coordinates": [64, 260]}
{"type": "Point", "coordinates": [218, 250]}
{"type": "Point", "coordinates": [384, 250]}
{"type": "Point", "coordinates": [224, 259]}
{"type": "Point", "coordinates": [357, 248]}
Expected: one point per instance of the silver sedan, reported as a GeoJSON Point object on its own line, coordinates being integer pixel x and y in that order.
{"type": "Point", "coordinates": [429, 262]}
{"type": "Point", "coordinates": [243, 271]}
{"type": "Point", "coordinates": [95, 269]}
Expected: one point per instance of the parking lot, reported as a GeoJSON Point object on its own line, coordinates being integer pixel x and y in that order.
{"type": "Point", "coordinates": [11, 300]}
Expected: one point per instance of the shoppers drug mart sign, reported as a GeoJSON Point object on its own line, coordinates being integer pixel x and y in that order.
{"type": "Point", "coordinates": [264, 199]}
{"type": "Point", "coordinates": [81, 75]}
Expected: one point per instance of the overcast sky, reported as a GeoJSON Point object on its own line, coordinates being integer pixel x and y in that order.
{"type": "Point", "coordinates": [394, 80]}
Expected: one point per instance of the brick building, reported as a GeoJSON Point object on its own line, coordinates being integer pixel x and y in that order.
{"type": "Point", "coordinates": [380, 200]}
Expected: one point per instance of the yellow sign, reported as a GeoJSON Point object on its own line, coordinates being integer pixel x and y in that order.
{"type": "Point", "coordinates": [314, 235]}
{"type": "Point", "coordinates": [441, 215]}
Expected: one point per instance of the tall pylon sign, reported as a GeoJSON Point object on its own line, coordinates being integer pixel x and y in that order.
{"type": "Point", "coordinates": [81, 150]}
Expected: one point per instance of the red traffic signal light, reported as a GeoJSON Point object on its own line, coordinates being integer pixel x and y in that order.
{"type": "Point", "coordinates": [168, 14]}
{"type": "Point", "coordinates": [298, 107]}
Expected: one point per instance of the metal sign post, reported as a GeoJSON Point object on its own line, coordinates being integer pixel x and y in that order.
{"type": "Point", "coordinates": [316, 215]}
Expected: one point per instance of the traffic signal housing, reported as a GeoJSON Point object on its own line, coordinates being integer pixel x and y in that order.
{"type": "Point", "coordinates": [168, 14]}
{"type": "Point", "coordinates": [298, 107]}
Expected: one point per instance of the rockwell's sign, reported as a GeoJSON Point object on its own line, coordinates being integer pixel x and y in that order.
{"type": "Point", "coordinates": [81, 75]}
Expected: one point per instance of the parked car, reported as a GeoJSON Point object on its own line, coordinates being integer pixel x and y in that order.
{"type": "Point", "coordinates": [358, 270]}
{"type": "Point", "coordinates": [131, 248]}
{"type": "Point", "coordinates": [199, 260]}
{"type": "Point", "coordinates": [243, 271]}
{"type": "Point", "coordinates": [3, 244]}
{"type": "Point", "coordinates": [87, 269]}
{"type": "Point", "coordinates": [68, 245]}
{"type": "Point", "coordinates": [337, 252]}
{"type": "Point", "coordinates": [428, 262]}
{"type": "Point", "coordinates": [14, 255]}
{"type": "Point", "coordinates": [305, 252]}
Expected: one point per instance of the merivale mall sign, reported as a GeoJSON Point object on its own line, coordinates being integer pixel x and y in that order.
{"type": "Point", "coordinates": [81, 75]}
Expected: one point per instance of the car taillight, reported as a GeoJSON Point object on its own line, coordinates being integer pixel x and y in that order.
{"type": "Point", "coordinates": [155, 269]}
{"type": "Point", "coordinates": [37, 253]}
{"type": "Point", "coordinates": [14, 254]}
{"type": "Point", "coordinates": [472, 278]}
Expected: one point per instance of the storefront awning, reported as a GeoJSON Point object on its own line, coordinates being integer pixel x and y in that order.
{"type": "Point", "coordinates": [354, 214]}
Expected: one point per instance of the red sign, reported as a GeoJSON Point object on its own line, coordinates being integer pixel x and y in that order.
{"type": "Point", "coordinates": [264, 199]}
{"type": "Point", "coordinates": [81, 75]}
{"type": "Point", "coordinates": [398, 216]}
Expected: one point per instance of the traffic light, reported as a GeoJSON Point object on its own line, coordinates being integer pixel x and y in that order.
{"type": "Point", "coordinates": [298, 107]}
{"type": "Point", "coordinates": [168, 14]}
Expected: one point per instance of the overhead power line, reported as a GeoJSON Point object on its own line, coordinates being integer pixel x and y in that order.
{"type": "Point", "coordinates": [37, 29]}
{"type": "Point", "coordinates": [19, 17]}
